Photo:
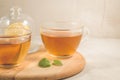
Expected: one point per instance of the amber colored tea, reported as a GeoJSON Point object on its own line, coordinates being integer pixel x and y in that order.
{"type": "Point", "coordinates": [61, 43]}
{"type": "Point", "coordinates": [12, 51]}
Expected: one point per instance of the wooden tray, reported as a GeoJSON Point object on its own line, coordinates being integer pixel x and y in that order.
{"type": "Point", "coordinates": [29, 69]}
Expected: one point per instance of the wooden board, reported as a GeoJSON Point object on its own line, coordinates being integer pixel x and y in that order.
{"type": "Point", "coordinates": [29, 69]}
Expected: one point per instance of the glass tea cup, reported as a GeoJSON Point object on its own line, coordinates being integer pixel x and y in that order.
{"type": "Point", "coordinates": [61, 39]}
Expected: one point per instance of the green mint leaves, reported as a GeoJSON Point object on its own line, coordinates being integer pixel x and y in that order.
{"type": "Point", "coordinates": [57, 63]}
{"type": "Point", "coordinates": [44, 63]}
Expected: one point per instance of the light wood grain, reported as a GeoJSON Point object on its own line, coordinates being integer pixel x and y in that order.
{"type": "Point", "coordinates": [29, 69]}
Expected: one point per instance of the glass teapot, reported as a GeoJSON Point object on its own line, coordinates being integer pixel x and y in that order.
{"type": "Point", "coordinates": [16, 17]}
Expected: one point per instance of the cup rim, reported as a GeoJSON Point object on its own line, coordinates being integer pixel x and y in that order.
{"type": "Point", "coordinates": [66, 25]}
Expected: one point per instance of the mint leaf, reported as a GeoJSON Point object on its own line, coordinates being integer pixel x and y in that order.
{"type": "Point", "coordinates": [57, 63]}
{"type": "Point", "coordinates": [44, 63]}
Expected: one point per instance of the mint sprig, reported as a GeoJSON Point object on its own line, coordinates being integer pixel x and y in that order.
{"type": "Point", "coordinates": [44, 63]}
{"type": "Point", "coordinates": [57, 63]}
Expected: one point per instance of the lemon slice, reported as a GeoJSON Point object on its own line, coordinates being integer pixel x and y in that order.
{"type": "Point", "coordinates": [17, 29]}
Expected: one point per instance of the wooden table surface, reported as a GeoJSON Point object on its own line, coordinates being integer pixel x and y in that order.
{"type": "Point", "coordinates": [29, 69]}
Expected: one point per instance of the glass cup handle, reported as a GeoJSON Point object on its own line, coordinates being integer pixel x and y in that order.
{"type": "Point", "coordinates": [84, 36]}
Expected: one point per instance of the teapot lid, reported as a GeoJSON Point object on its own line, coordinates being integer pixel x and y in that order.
{"type": "Point", "coordinates": [16, 18]}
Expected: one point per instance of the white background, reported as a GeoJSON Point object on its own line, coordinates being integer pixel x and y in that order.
{"type": "Point", "coordinates": [102, 17]}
